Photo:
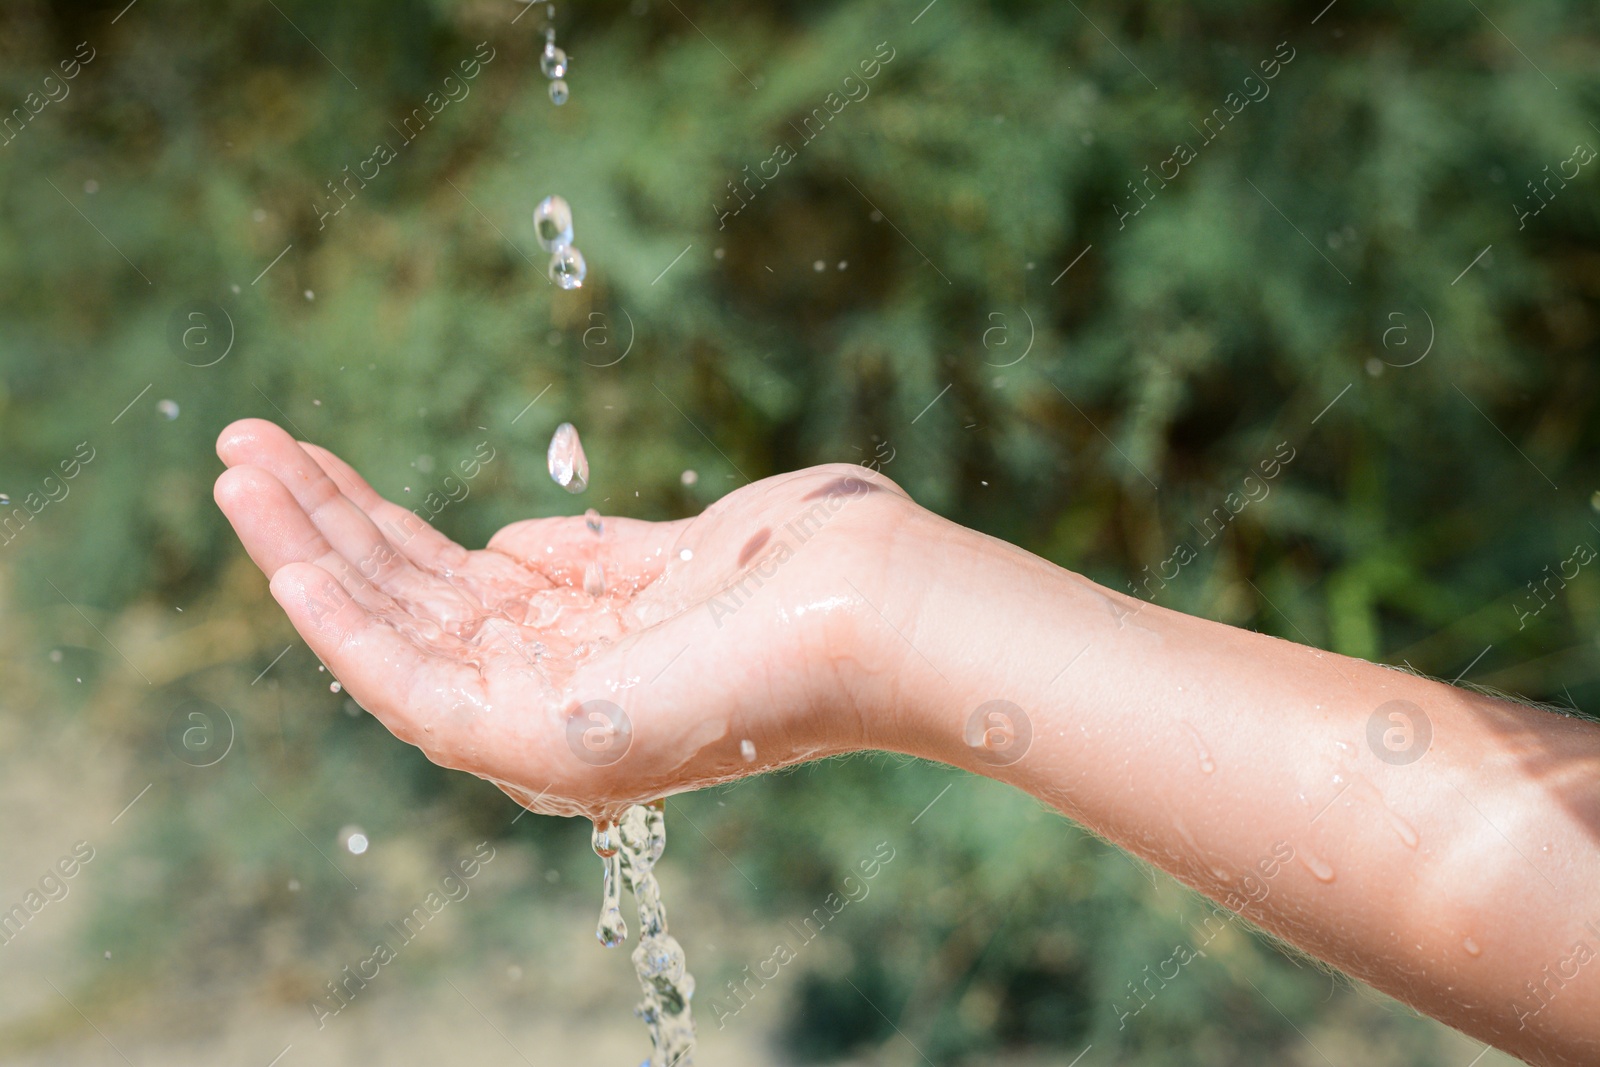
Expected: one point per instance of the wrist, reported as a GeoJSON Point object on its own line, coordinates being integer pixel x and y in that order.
{"type": "Point", "coordinates": [974, 646]}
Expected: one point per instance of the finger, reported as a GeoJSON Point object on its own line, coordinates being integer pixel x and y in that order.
{"type": "Point", "coordinates": [269, 521]}
{"type": "Point", "coordinates": [258, 443]}
{"type": "Point", "coordinates": [420, 542]}
{"type": "Point", "coordinates": [423, 699]}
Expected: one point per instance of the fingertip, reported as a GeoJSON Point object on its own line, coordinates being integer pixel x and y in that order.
{"type": "Point", "coordinates": [236, 485]}
{"type": "Point", "coordinates": [239, 437]}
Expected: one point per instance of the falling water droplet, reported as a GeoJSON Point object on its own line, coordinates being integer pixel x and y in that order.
{"type": "Point", "coordinates": [558, 92]}
{"type": "Point", "coordinates": [553, 61]}
{"type": "Point", "coordinates": [168, 409]}
{"type": "Point", "coordinates": [1319, 868]}
{"type": "Point", "coordinates": [4, 499]}
{"type": "Point", "coordinates": [334, 687]}
{"type": "Point", "coordinates": [686, 554]}
{"type": "Point", "coordinates": [747, 749]}
{"type": "Point", "coordinates": [354, 840]}
{"type": "Point", "coordinates": [1472, 947]}
{"type": "Point", "coordinates": [594, 580]}
{"type": "Point", "coordinates": [1207, 765]}
{"type": "Point", "coordinates": [568, 465]}
{"type": "Point", "coordinates": [568, 268]}
{"type": "Point", "coordinates": [552, 223]}
{"type": "Point", "coordinates": [688, 477]}
{"type": "Point", "coordinates": [591, 519]}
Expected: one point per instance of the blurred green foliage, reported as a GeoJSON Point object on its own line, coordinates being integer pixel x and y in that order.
{"type": "Point", "coordinates": [1260, 286]}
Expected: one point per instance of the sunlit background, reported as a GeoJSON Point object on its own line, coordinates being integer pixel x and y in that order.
{"type": "Point", "coordinates": [986, 267]}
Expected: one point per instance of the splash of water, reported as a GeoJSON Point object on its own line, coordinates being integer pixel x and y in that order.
{"type": "Point", "coordinates": [632, 847]}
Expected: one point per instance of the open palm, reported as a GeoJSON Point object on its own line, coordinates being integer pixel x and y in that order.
{"type": "Point", "coordinates": [579, 664]}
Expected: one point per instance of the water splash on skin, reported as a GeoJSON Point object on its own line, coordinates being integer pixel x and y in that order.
{"type": "Point", "coordinates": [632, 847]}
{"type": "Point", "coordinates": [1472, 947]}
{"type": "Point", "coordinates": [1408, 833]}
{"type": "Point", "coordinates": [1320, 869]}
{"type": "Point", "coordinates": [1207, 764]}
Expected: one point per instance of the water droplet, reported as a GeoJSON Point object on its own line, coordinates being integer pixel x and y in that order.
{"type": "Point", "coordinates": [168, 409]}
{"type": "Point", "coordinates": [1319, 869]}
{"type": "Point", "coordinates": [819, 266]}
{"type": "Point", "coordinates": [334, 687]}
{"type": "Point", "coordinates": [568, 268]}
{"type": "Point", "coordinates": [1408, 834]}
{"type": "Point", "coordinates": [591, 519]}
{"type": "Point", "coordinates": [747, 749]}
{"type": "Point", "coordinates": [310, 295]}
{"type": "Point", "coordinates": [558, 92]}
{"type": "Point", "coordinates": [5, 499]}
{"type": "Point", "coordinates": [612, 929]}
{"type": "Point", "coordinates": [1472, 947]}
{"type": "Point", "coordinates": [686, 554]}
{"type": "Point", "coordinates": [843, 264]}
{"type": "Point", "coordinates": [552, 223]}
{"type": "Point", "coordinates": [594, 580]}
{"type": "Point", "coordinates": [353, 839]}
{"type": "Point", "coordinates": [553, 61]}
{"type": "Point", "coordinates": [1207, 765]}
{"type": "Point", "coordinates": [688, 477]}
{"type": "Point", "coordinates": [568, 465]}
{"type": "Point", "coordinates": [1594, 500]}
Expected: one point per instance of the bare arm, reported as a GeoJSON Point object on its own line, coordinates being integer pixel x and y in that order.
{"type": "Point", "coordinates": [822, 611]}
{"type": "Point", "coordinates": [1460, 874]}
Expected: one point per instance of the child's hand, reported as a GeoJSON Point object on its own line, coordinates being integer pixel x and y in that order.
{"type": "Point", "coordinates": [741, 625]}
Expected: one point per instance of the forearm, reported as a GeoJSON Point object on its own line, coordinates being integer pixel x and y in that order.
{"type": "Point", "coordinates": [1241, 764]}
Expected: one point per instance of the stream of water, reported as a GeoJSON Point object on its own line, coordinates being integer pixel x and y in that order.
{"type": "Point", "coordinates": [629, 849]}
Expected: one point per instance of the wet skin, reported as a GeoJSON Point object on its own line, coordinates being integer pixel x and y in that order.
{"type": "Point", "coordinates": [823, 611]}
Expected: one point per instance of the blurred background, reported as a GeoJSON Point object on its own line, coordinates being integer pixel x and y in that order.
{"type": "Point", "coordinates": [986, 267]}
